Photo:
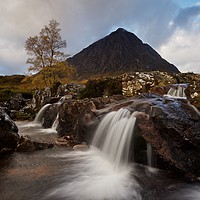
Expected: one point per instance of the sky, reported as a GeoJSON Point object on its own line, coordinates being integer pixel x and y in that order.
{"type": "Point", "coordinates": [171, 27]}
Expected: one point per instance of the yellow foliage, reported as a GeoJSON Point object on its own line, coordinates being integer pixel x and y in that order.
{"type": "Point", "coordinates": [48, 76]}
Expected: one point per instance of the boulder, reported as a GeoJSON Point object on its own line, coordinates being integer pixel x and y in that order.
{"type": "Point", "coordinates": [172, 127]}
{"type": "Point", "coordinates": [80, 117]}
{"type": "Point", "coordinates": [69, 89]}
{"type": "Point", "coordinates": [8, 133]}
{"type": "Point", "coordinates": [50, 115]}
{"type": "Point", "coordinates": [26, 144]}
{"type": "Point", "coordinates": [71, 118]}
{"type": "Point", "coordinates": [41, 97]}
{"type": "Point", "coordinates": [67, 141]}
{"type": "Point", "coordinates": [81, 147]}
{"type": "Point", "coordinates": [158, 82]}
{"type": "Point", "coordinates": [17, 102]}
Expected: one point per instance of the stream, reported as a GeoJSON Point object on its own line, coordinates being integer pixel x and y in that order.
{"type": "Point", "coordinates": [59, 174]}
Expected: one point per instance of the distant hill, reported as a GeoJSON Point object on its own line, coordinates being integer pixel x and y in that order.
{"type": "Point", "coordinates": [11, 81]}
{"type": "Point", "coordinates": [117, 53]}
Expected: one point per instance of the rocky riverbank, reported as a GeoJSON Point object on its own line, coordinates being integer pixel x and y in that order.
{"type": "Point", "coordinates": [171, 126]}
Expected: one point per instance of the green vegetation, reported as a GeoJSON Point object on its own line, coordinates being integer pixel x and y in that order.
{"type": "Point", "coordinates": [99, 88]}
{"type": "Point", "coordinates": [11, 80]}
{"type": "Point", "coordinates": [5, 95]}
{"type": "Point", "coordinates": [9, 85]}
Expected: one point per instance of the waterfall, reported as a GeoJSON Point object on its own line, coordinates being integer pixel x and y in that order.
{"type": "Point", "coordinates": [103, 173]}
{"type": "Point", "coordinates": [55, 123]}
{"type": "Point", "coordinates": [39, 117]}
{"type": "Point", "coordinates": [61, 100]}
{"type": "Point", "coordinates": [114, 136]}
{"type": "Point", "coordinates": [177, 91]}
{"type": "Point", "coordinates": [149, 155]}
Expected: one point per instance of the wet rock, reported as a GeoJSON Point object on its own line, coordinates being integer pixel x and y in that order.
{"type": "Point", "coordinates": [172, 127]}
{"type": "Point", "coordinates": [71, 116]}
{"type": "Point", "coordinates": [67, 141]}
{"type": "Point", "coordinates": [27, 145]}
{"type": "Point", "coordinates": [158, 82]}
{"type": "Point", "coordinates": [8, 133]}
{"type": "Point", "coordinates": [80, 117]}
{"type": "Point", "coordinates": [50, 115]}
{"type": "Point", "coordinates": [81, 147]}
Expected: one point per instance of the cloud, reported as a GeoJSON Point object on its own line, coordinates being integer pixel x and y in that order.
{"type": "Point", "coordinates": [182, 51]}
{"type": "Point", "coordinates": [187, 16]}
{"type": "Point", "coordinates": [183, 46]}
{"type": "Point", "coordinates": [84, 21]}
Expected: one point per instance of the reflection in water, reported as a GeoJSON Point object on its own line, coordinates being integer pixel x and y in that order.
{"type": "Point", "coordinates": [57, 174]}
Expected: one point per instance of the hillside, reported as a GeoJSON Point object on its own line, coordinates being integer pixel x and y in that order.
{"type": "Point", "coordinates": [119, 52]}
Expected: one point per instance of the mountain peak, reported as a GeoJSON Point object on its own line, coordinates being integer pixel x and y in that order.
{"type": "Point", "coordinates": [121, 30]}
{"type": "Point", "coordinates": [119, 52]}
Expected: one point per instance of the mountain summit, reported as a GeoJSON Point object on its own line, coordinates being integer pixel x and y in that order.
{"type": "Point", "coordinates": [119, 52]}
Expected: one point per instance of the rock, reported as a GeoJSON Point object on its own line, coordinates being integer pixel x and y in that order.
{"type": "Point", "coordinates": [50, 115]}
{"type": "Point", "coordinates": [172, 127]}
{"type": "Point", "coordinates": [81, 147]}
{"type": "Point", "coordinates": [27, 145]}
{"type": "Point", "coordinates": [140, 82]}
{"type": "Point", "coordinates": [67, 141]}
{"type": "Point", "coordinates": [71, 90]}
{"type": "Point", "coordinates": [8, 133]}
{"type": "Point", "coordinates": [71, 115]}
{"type": "Point", "coordinates": [41, 97]}
{"type": "Point", "coordinates": [79, 117]}
{"type": "Point", "coordinates": [17, 102]}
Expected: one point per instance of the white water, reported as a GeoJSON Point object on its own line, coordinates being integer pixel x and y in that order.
{"type": "Point", "coordinates": [55, 123]}
{"type": "Point", "coordinates": [37, 132]}
{"type": "Point", "coordinates": [35, 129]}
{"type": "Point", "coordinates": [39, 117]}
{"type": "Point", "coordinates": [106, 174]}
{"type": "Point", "coordinates": [95, 178]}
{"type": "Point", "coordinates": [114, 136]}
{"type": "Point", "coordinates": [61, 100]}
{"type": "Point", "coordinates": [177, 91]}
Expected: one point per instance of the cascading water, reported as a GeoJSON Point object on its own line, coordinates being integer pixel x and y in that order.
{"type": "Point", "coordinates": [177, 91]}
{"type": "Point", "coordinates": [114, 136]}
{"type": "Point", "coordinates": [39, 117]}
{"type": "Point", "coordinates": [55, 123]}
{"type": "Point", "coordinates": [149, 155]}
{"type": "Point", "coordinates": [35, 128]}
{"type": "Point", "coordinates": [61, 100]}
{"type": "Point", "coordinates": [104, 172]}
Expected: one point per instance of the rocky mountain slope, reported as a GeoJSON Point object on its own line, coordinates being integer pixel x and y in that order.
{"type": "Point", "coordinates": [119, 52]}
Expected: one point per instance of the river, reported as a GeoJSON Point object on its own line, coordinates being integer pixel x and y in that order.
{"type": "Point", "coordinates": [59, 174]}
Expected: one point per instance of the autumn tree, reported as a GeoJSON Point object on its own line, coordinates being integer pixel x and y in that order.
{"type": "Point", "coordinates": [45, 52]}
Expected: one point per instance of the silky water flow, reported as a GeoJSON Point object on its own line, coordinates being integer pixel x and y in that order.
{"type": "Point", "coordinates": [104, 172]}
